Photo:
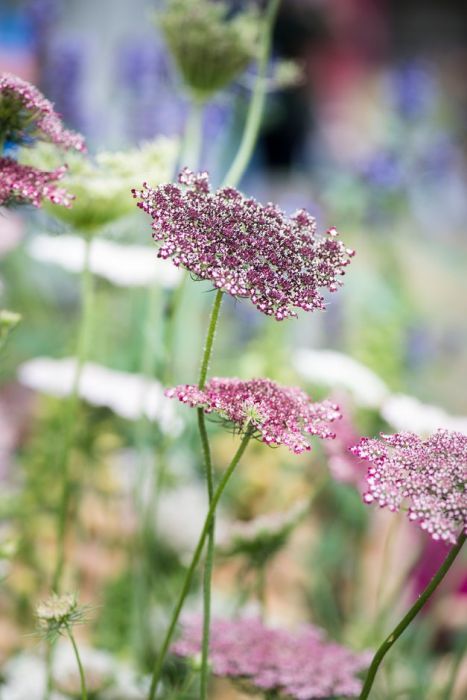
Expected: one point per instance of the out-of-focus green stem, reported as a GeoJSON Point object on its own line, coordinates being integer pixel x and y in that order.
{"type": "Point", "coordinates": [255, 111]}
{"type": "Point", "coordinates": [407, 619]}
{"type": "Point", "coordinates": [194, 563]}
{"type": "Point", "coordinates": [193, 138]}
{"type": "Point", "coordinates": [84, 333]}
{"type": "Point", "coordinates": [84, 694]}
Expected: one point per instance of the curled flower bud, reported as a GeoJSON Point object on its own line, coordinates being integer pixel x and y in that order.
{"type": "Point", "coordinates": [210, 47]}
{"type": "Point", "coordinates": [245, 248]}
{"type": "Point", "coordinates": [429, 476]}
{"type": "Point", "coordinates": [277, 415]}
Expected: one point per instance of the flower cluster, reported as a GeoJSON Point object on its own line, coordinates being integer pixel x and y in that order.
{"type": "Point", "coordinates": [277, 415]}
{"type": "Point", "coordinates": [244, 248]}
{"type": "Point", "coordinates": [58, 614]}
{"type": "Point", "coordinates": [21, 184]}
{"type": "Point", "coordinates": [26, 116]}
{"type": "Point", "coordinates": [210, 46]}
{"type": "Point", "coordinates": [427, 475]}
{"type": "Point", "coordinates": [302, 665]}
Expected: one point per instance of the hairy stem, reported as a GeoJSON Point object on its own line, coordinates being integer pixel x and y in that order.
{"type": "Point", "coordinates": [208, 566]}
{"type": "Point", "coordinates": [410, 615]}
{"type": "Point", "coordinates": [255, 111]}
{"type": "Point", "coordinates": [194, 563]}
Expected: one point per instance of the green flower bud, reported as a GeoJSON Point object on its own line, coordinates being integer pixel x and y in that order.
{"type": "Point", "coordinates": [8, 321]}
{"type": "Point", "coordinates": [210, 47]}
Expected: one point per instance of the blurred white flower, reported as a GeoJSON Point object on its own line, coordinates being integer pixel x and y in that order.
{"type": "Point", "coordinates": [25, 676]}
{"type": "Point", "coordinates": [124, 393]}
{"type": "Point", "coordinates": [408, 413]}
{"type": "Point", "coordinates": [336, 370]}
{"type": "Point", "coordinates": [123, 265]}
{"type": "Point", "coordinates": [180, 517]}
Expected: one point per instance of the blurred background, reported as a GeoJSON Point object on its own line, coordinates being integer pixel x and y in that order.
{"type": "Point", "coordinates": [370, 136]}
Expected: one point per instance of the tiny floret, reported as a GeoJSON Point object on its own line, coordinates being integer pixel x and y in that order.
{"type": "Point", "coordinates": [302, 665]}
{"type": "Point", "coordinates": [244, 248]}
{"type": "Point", "coordinates": [426, 475]}
{"type": "Point", "coordinates": [275, 414]}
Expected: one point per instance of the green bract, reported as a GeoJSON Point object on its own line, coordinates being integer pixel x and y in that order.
{"type": "Point", "coordinates": [102, 185]}
{"type": "Point", "coordinates": [209, 46]}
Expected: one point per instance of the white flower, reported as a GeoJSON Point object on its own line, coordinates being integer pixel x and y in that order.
{"type": "Point", "coordinates": [336, 370]}
{"type": "Point", "coordinates": [128, 395]}
{"type": "Point", "coordinates": [122, 265]}
{"type": "Point", "coordinates": [25, 678]}
{"type": "Point", "coordinates": [408, 413]}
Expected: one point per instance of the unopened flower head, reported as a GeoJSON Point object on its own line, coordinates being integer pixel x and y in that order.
{"type": "Point", "coordinates": [244, 248]}
{"type": "Point", "coordinates": [210, 46]}
{"type": "Point", "coordinates": [26, 116]}
{"type": "Point", "coordinates": [301, 665]}
{"type": "Point", "coordinates": [275, 414]}
{"type": "Point", "coordinates": [8, 322]}
{"type": "Point", "coordinates": [25, 184]}
{"type": "Point", "coordinates": [426, 475]}
{"type": "Point", "coordinates": [261, 538]}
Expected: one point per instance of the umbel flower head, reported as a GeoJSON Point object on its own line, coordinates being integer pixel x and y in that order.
{"type": "Point", "coordinates": [427, 475]}
{"type": "Point", "coordinates": [25, 184]}
{"type": "Point", "coordinates": [301, 665]}
{"type": "Point", "coordinates": [26, 116]}
{"type": "Point", "coordinates": [211, 47]}
{"type": "Point", "coordinates": [276, 415]}
{"type": "Point", "coordinates": [101, 187]}
{"type": "Point", "coordinates": [244, 248]}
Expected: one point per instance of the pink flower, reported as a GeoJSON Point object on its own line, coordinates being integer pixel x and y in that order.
{"type": "Point", "coordinates": [301, 665]}
{"type": "Point", "coordinates": [279, 415]}
{"type": "Point", "coordinates": [428, 475]}
{"type": "Point", "coordinates": [244, 248]}
{"type": "Point", "coordinates": [24, 184]}
{"type": "Point", "coordinates": [27, 116]}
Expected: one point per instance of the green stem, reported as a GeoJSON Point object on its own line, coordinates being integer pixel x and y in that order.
{"type": "Point", "coordinates": [194, 563]}
{"type": "Point", "coordinates": [261, 589]}
{"type": "Point", "coordinates": [458, 658]}
{"type": "Point", "coordinates": [84, 333]}
{"type": "Point", "coordinates": [407, 619]}
{"type": "Point", "coordinates": [255, 111]}
{"type": "Point", "coordinates": [208, 566]}
{"type": "Point", "coordinates": [84, 695]}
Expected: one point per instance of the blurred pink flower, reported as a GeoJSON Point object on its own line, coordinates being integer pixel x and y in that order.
{"type": "Point", "coordinates": [24, 184]}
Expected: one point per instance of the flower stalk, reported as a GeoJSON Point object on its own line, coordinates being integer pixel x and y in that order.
{"type": "Point", "coordinates": [194, 563]}
{"type": "Point", "coordinates": [410, 615]}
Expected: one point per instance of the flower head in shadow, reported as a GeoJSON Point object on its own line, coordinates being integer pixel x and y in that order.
{"type": "Point", "coordinates": [244, 248]}
{"type": "Point", "coordinates": [427, 476]}
{"type": "Point", "coordinates": [277, 415]}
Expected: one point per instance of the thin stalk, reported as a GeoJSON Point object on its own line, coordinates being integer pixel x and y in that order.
{"type": "Point", "coordinates": [410, 615]}
{"type": "Point", "coordinates": [255, 111]}
{"type": "Point", "coordinates": [84, 694]}
{"type": "Point", "coordinates": [194, 563]}
{"type": "Point", "coordinates": [208, 566]}
{"type": "Point", "coordinates": [261, 589]}
{"type": "Point", "coordinates": [84, 333]}
{"type": "Point", "coordinates": [456, 664]}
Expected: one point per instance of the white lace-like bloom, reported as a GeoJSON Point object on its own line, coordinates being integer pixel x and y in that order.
{"type": "Point", "coordinates": [406, 413]}
{"type": "Point", "coordinates": [124, 393]}
{"type": "Point", "coordinates": [122, 265]}
{"type": "Point", "coordinates": [337, 370]}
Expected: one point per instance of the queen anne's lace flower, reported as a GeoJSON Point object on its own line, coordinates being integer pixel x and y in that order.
{"type": "Point", "coordinates": [24, 184]}
{"type": "Point", "coordinates": [428, 475]}
{"type": "Point", "coordinates": [244, 248]}
{"type": "Point", "coordinates": [278, 415]}
{"type": "Point", "coordinates": [301, 665]}
{"type": "Point", "coordinates": [26, 116]}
